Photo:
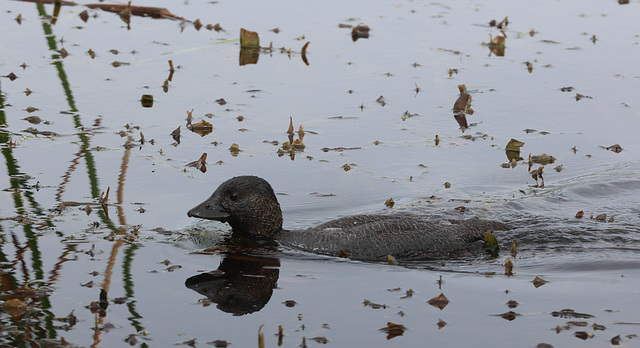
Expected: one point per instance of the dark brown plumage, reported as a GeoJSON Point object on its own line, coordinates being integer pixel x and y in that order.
{"type": "Point", "coordinates": [250, 206]}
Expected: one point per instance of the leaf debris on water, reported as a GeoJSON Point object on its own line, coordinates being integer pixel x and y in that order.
{"type": "Point", "coordinates": [570, 313]}
{"type": "Point", "coordinates": [538, 282]}
{"type": "Point", "coordinates": [373, 305]}
{"type": "Point", "coordinates": [389, 203]}
{"type": "Point", "coordinates": [393, 330]}
{"type": "Point", "coordinates": [615, 148]}
{"type": "Point", "coordinates": [200, 164]}
{"type": "Point", "coordinates": [439, 301]}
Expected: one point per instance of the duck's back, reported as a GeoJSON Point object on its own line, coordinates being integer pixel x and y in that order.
{"type": "Point", "coordinates": [373, 237]}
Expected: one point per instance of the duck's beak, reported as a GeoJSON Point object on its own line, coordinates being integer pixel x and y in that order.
{"type": "Point", "coordinates": [211, 209]}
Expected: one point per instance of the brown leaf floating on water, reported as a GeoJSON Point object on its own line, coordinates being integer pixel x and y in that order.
{"type": "Point", "coordinates": [234, 149]}
{"type": "Point", "coordinates": [543, 159]}
{"type": "Point", "coordinates": [249, 39]}
{"type": "Point", "coordinates": [408, 294]}
{"type": "Point", "coordinates": [14, 307]}
{"type": "Point", "coordinates": [514, 145]}
{"type": "Point", "coordinates": [580, 214]}
{"type": "Point", "coordinates": [373, 305]}
{"type": "Point", "coordinates": [176, 134]}
{"type": "Point", "coordinates": [322, 340]}
{"type": "Point", "coordinates": [512, 304]}
{"type": "Point", "coordinates": [615, 148]}
{"type": "Point", "coordinates": [63, 53]}
{"type": "Point", "coordinates": [581, 96]}
{"type": "Point", "coordinates": [508, 267]}
{"type": "Point", "coordinates": [439, 301]}
{"type": "Point", "coordinates": [361, 31]}
{"type": "Point", "coordinates": [33, 119]}
{"type": "Point", "coordinates": [570, 313]}
{"type": "Point", "coordinates": [513, 248]}
{"type": "Point", "coordinates": [84, 15]}
{"type": "Point", "coordinates": [200, 164]}
{"type": "Point", "coordinates": [583, 335]}
{"type": "Point", "coordinates": [146, 100]}
{"type": "Point", "coordinates": [501, 25]}
{"type": "Point", "coordinates": [389, 203]}
{"type": "Point", "coordinates": [616, 340]}
{"type": "Point", "coordinates": [602, 217]}
{"type": "Point", "coordinates": [441, 323]}
{"type": "Point", "coordinates": [393, 330]}
{"type": "Point", "coordinates": [538, 282]}
{"type": "Point", "coordinates": [510, 315]}
{"type": "Point", "coordinates": [202, 127]}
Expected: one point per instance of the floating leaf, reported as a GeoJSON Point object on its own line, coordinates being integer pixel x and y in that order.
{"type": "Point", "coordinates": [63, 53]}
{"type": "Point", "coordinates": [84, 15]}
{"type": "Point", "coordinates": [234, 149]}
{"type": "Point", "coordinates": [580, 214]}
{"type": "Point", "coordinates": [508, 267]}
{"type": "Point", "coordinates": [512, 304]}
{"type": "Point", "coordinates": [361, 31]}
{"type": "Point", "coordinates": [200, 164]}
{"type": "Point", "coordinates": [176, 134]}
{"type": "Point", "coordinates": [146, 100]}
{"type": "Point", "coordinates": [346, 167]}
{"type": "Point", "coordinates": [513, 248]}
{"type": "Point", "coordinates": [602, 217]}
{"type": "Point", "coordinates": [373, 305]}
{"type": "Point", "coordinates": [570, 313]}
{"type": "Point", "coordinates": [510, 315]}
{"type": "Point", "coordinates": [290, 303]}
{"type": "Point", "coordinates": [615, 148]}
{"type": "Point", "coordinates": [393, 330]}
{"type": "Point", "coordinates": [538, 282]}
{"type": "Point", "coordinates": [583, 335]}
{"type": "Point", "coordinates": [197, 24]}
{"type": "Point", "coordinates": [14, 307]}
{"type": "Point", "coordinates": [322, 340]}
{"type": "Point", "coordinates": [514, 145]}
{"type": "Point", "coordinates": [389, 203]}
{"type": "Point", "coordinates": [439, 301]}
{"type": "Point", "coordinates": [581, 96]}
{"type": "Point", "coordinates": [543, 159]}
{"type": "Point", "coordinates": [249, 39]}
{"type": "Point", "coordinates": [202, 127]}
{"type": "Point", "coordinates": [33, 119]}
{"type": "Point", "coordinates": [441, 323]}
{"type": "Point", "coordinates": [616, 340]}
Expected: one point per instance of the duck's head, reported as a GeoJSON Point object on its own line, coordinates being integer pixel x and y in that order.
{"type": "Point", "coordinates": [247, 203]}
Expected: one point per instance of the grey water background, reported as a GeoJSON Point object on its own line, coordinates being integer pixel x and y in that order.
{"type": "Point", "coordinates": [94, 109]}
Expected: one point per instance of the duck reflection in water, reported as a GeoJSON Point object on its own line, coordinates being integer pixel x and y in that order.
{"type": "Point", "coordinates": [241, 285]}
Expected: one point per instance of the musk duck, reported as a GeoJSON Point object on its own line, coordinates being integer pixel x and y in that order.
{"type": "Point", "coordinates": [250, 206]}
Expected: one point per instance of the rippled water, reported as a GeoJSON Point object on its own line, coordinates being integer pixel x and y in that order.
{"type": "Point", "coordinates": [141, 248]}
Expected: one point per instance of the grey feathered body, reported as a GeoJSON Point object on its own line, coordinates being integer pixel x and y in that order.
{"type": "Point", "coordinates": [373, 237]}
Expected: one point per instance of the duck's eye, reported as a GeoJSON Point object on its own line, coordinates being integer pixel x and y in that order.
{"type": "Point", "coordinates": [233, 196]}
